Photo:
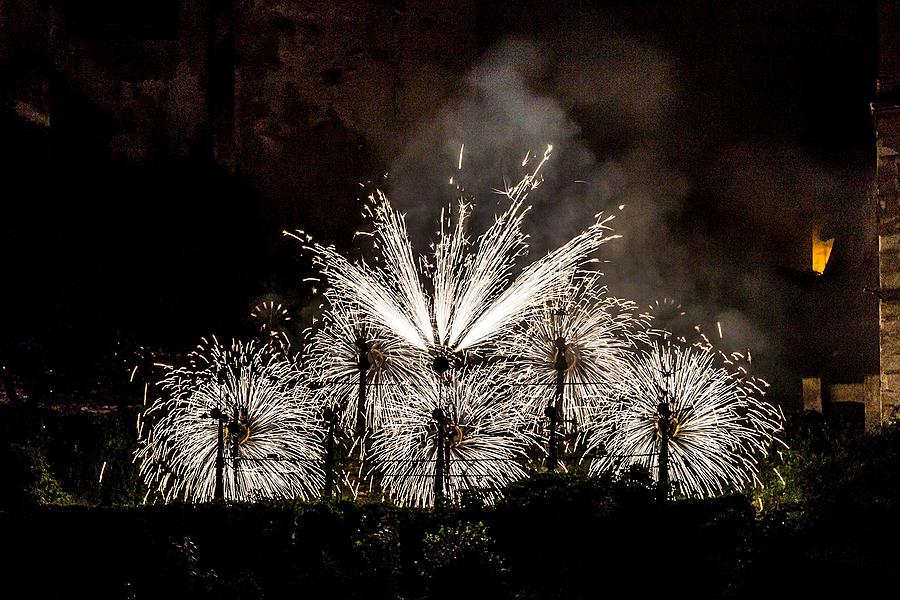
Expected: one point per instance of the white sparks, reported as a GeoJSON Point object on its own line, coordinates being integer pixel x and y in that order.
{"type": "Point", "coordinates": [487, 439]}
{"type": "Point", "coordinates": [273, 434]}
{"type": "Point", "coordinates": [597, 332]}
{"type": "Point", "coordinates": [721, 426]}
{"type": "Point", "coordinates": [463, 296]}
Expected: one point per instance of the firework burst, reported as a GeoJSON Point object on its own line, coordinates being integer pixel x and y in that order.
{"type": "Point", "coordinates": [463, 297]}
{"type": "Point", "coordinates": [486, 436]}
{"type": "Point", "coordinates": [665, 311]}
{"type": "Point", "coordinates": [272, 428]}
{"type": "Point", "coordinates": [347, 343]}
{"type": "Point", "coordinates": [574, 350]}
{"type": "Point", "coordinates": [720, 426]}
{"type": "Point", "coordinates": [272, 319]}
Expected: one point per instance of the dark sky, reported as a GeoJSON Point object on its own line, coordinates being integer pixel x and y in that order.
{"type": "Point", "coordinates": [727, 128]}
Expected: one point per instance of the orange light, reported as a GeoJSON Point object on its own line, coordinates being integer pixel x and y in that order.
{"type": "Point", "coordinates": [821, 250]}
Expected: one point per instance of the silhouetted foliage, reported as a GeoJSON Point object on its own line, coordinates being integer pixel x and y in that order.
{"type": "Point", "coordinates": [830, 528]}
{"type": "Point", "coordinates": [68, 452]}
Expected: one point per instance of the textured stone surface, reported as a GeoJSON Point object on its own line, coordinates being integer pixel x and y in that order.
{"type": "Point", "coordinates": [886, 190]}
{"type": "Point", "coordinates": [146, 95]}
{"type": "Point", "coordinates": [846, 392]}
{"type": "Point", "coordinates": [872, 398]}
{"type": "Point", "coordinates": [328, 91]}
{"type": "Point", "coordinates": [303, 99]}
{"type": "Point", "coordinates": [812, 394]}
{"type": "Point", "coordinates": [890, 390]}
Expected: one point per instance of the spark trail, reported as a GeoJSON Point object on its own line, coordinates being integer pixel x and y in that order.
{"type": "Point", "coordinates": [272, 320]}
{"type": "Point", "coordinates": [476, 295]}
{"type": "Point", "coordinates": [334, 361]}
{"type": "Point", "coordinates": [595, 333]}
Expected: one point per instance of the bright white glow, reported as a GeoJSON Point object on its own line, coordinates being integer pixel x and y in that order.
{"type": "Point", "coordinates": [273, 442]}
{"type": "Point", "coordinates": [333, 361]}
{"type": "Point", "coordinates": [722, 424]}
{"type": "Point", "coordinates": [463, 297]}
{"type": "Point", "coordinates": [488, 433]}
{"type": "Point", "coordinates": [599, 333]}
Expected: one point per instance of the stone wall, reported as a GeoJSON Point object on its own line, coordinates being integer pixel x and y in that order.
{"type": "Point", "coordinates": [328, 91]}
{"type": "Point", "coordinates": [137, 93]}
{"type": "Point", "coordinates": [812, 394]}
{"type": "Point", "coordinates": [887, 122]}
{"type": "Point", "coordinates": [301, 99]}
{"type": "Point", "coordinates": [886, 191]}
{"type": "Point", "coordinates": [846, 400]}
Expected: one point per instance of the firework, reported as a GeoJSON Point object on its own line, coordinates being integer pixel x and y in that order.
{"type": "Point", "coordinates": [346, 343]}
{"type": "Point", "coordinates": [665, 311]}
{"type": "Point", "coordinates": [475, 295]}
{"type": "Point", "coordinates": [463, 297]}
{"type": "Point", "coordinates": [485, 436]}
{"type": "Point", "coordinates": [272, 319]}
{"type": "Point", "coordinates": [273, 433]}
{"type": "Point", "coordinates": [575, 349]}
{"type": "Point", "coordinates": [720, 426]}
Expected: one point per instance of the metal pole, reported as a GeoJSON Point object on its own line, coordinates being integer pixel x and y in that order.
{"type": "Point", "coordinates": [665, 426]}
{"type": "Point", "coordinates": [447, 443]}
{"type": "Point", "coordinates": [235, 433]}
{"type": "Point", "coordinates": [553, 409]}
{"type": "Point", "coordinates": [363, 364]}
{"type": "Point", "coordinates": [552, 459]}
{"type": "Point", "coordinates": [329, 454]}
{"type": "Point", "coordinates": [219, 493]}
{"type": "Point", "coordinates": [438, 415]}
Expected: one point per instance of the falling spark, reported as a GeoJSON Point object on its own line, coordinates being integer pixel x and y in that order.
{"type": "Point", "coordinates": [102, 470]}
{"type": "Point", "coordinates": [272, 320]}
{"type": "Point", "coordinates": [719, 325]}
{"type": "Point", "coordinates": [780, 478]}
{"type": "Point", "coordinates": [334, 362]}
{"type": "Point", "coordinates": [133, 371]}
{"type": "Point", "coordinates": [461, 148]}
{"type": "Point", "coordinates": [273, 435]}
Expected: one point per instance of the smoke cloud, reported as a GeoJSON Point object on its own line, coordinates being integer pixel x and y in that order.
{"type": "Point", "coordinates": [721, 232]}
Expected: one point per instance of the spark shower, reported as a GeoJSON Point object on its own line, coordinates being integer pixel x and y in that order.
{"type": "Point", "coordinates": [443, 370]}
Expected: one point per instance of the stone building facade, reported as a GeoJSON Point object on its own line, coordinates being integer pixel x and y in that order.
{"type": "Point", "coordinates": [296, 98]}
{"type": "Point", "coordinates": [886, 190]}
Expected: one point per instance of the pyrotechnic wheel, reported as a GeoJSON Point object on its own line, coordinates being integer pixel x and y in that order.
{"type": "Point", "coordinates": [718, 425]}
{"type": "Point", "coordinates": [273, 434]}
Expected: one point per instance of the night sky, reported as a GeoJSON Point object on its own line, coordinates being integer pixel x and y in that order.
{"type": "Point", "coordinates": [726, 128]}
